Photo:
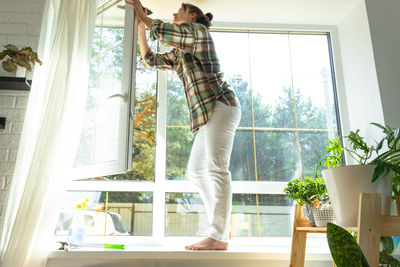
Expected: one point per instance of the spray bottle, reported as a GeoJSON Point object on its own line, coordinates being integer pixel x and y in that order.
{"type": "Point", "coordinates": [76, 232]}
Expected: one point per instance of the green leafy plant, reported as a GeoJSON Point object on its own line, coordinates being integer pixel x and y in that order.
{"type": "Point", "coordinates": [334, 159]}
{"type": "Point", "coordinates": [391, 158]}
{"type": "Point", "coordinates": [362, 153]}
{"type": "Point", "coordinates": [346, 251]}
{"type": "Point", "coordinates": [386, 254]}
{"type": "Point", "coordinates": [344, 248]}
{"type": "Point", "coordinates": [306, 191]}
{"type": "Point", "coordinates": [13, 57]}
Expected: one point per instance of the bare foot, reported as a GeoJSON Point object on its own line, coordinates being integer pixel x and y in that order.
{"type": "Point", "coordinates": [208, 244]}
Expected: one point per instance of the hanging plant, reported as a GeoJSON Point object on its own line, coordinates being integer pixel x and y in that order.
{"type": "Point", "coordinates": [13, 57]}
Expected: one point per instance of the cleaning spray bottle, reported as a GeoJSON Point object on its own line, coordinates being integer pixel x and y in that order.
{"type": "Point", "coordinates": [76, 232]}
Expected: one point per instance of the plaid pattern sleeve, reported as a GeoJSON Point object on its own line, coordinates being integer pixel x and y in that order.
{"type": "Point", "coordinates": [160, 61]}
{"type": "Point", "coordinates": [174, 35]}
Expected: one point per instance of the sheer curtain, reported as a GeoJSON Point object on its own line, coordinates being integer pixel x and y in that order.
{"type": "Point", "coordinates": [50, 133]}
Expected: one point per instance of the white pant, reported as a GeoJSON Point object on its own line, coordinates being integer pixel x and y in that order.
{"type": "Point", "coordinates": [208, 167]}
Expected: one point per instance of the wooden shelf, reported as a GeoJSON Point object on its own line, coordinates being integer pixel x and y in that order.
{"type": "Point", "coordinates": [371, 226]}
{"type": "Point", "coordinates": [14, 83]}
{"type": "Point", "coordinates": [309, 229]}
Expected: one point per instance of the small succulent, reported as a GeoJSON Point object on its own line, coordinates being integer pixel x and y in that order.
{"type": "Point", "coordinates": [13, 57]}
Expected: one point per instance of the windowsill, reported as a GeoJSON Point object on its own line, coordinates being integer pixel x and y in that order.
{"type": "Point", "coordinates": [167, 253]}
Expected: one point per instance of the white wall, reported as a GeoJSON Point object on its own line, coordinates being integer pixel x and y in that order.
{"type": "Point", "coordinates": [20, 23]}
{"type": "Point", "coordinates": [359, 96]}
{"type": "Point", "coordinates": [12, 106]}
{"type": "Point", "coordinates": [384, 23]}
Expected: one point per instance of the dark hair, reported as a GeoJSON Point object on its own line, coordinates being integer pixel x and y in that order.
{"type": "Point", "coordinates": [200, 17]}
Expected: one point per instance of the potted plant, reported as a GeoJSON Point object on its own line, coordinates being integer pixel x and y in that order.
{"type": "Point", "coordinates": [392, 136]}
{"type": "Point", "coordinates": [306, 192]}
{"type": "Point", "coordinates": [372, 174]}
{"type": "Point", "coordinates": [12, 58]}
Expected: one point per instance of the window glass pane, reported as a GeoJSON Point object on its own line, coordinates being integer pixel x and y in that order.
{"type": "Point", "coordinates": [179, 144]}
{"type": "Point", "coordinates": [312, 147]}
{"type": "Point", "coordinates": [233, 54]}
{"type": "Point", "coordinates": [144, 124]}
{"type": "Point", "coordinates": [261, 215]}
{"type": "Point", "coordinates": [242, 158]}
{"type": "Point", "coordinates": [252, 215]}
{"type": "Point", "coordinates": [277, 158]}
{"type": "Point", "coordinates": [128, 213]}
{"type": "Point", "coordinates": [101, 130]}
{"type": "Point", "coordinates": [179, 137]}
{"type": "Point", "coordinates": [313, 82]}
{"type": "Point", "coordinates": [270, 80]}
{"type": "Point", "coordinates": [185, 215]}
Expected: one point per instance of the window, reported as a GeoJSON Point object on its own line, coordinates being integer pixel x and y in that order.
{"type": "Point", "coordinates": [104, 137]}
{"type": "Point", "coordinates": [286, 86]}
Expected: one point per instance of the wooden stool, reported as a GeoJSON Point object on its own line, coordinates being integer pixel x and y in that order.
{"type": "Point", "coordinates": [370, 227]}
{"type": "Point", "coordinates": [300, 229]}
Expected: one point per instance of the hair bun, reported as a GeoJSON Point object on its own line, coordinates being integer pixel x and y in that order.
{"type": "Point", "coordinates": [209, 15]}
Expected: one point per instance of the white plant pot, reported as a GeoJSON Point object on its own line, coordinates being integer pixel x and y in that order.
{"type": "Point", "coordinates": [344, 185]}
{"type": "Point", "coordinates": [20, 72]}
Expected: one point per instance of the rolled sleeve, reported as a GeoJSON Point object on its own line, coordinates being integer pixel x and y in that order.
{"type": "Point", "coordinates": [161, 61]}
{"type": "Point", "coordinates": [174, 35]}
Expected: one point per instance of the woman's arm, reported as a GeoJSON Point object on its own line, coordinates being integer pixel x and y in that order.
{"type": "Point", "coordinates": [177, 36]}
{"type": "Point", "coordinates": [144, 46]}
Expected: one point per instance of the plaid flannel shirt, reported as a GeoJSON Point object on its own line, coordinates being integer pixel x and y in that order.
{"type": "Point", "coordinates": [194, 59]}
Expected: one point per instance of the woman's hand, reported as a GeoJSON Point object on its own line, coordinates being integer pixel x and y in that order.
{"type": "Point", "coordinates": [137, 6]}
{"type": "Point", "coordinates": [139, 12]}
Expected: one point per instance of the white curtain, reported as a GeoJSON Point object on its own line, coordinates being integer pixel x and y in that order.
{"type": "Point", "coordinates": [50, 133]}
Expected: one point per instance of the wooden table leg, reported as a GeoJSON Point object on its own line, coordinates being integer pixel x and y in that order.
{"type": "Point", "coordinates": [298, 250]}
{"type": "Point", "coordinates": [369, 223]}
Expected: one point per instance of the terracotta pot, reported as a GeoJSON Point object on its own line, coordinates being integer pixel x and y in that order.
{"type": "Point", "coordinates": [344, 185]}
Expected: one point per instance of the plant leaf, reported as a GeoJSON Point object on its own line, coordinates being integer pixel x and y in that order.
{"type": "Point", "coordinates": [11, 47]}
{"type": "Point", "coordinates": [380, 144]}
{"type": "Point", "coordinates": [9, 65]}
{"type": "Point", "coordinates": [387, 243]}
{"type": "Point", "coordinates": [379, 170]}
{"type": "Point", "coordinates": [344, 248]}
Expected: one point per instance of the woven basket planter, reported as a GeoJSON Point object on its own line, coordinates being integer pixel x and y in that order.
{"type": "Point", "coordinates": [324, 215]}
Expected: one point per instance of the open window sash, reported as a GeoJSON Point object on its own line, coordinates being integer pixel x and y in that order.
{"type": "Point", "coordinates": [105, 146]}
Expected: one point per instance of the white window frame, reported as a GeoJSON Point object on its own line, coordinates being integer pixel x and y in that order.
{"type": "Point", "coordinates": [124, 161]}
{"type": "Point", "coordinates": [160, 186]}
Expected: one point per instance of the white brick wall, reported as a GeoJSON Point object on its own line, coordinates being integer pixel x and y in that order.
{"type": "Point", "coordinates": [12, 106]}
{"type": "Point", "coordinates": [20, 22]}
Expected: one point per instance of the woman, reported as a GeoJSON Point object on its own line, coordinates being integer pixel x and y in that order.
{"type": "Point", "coordinates": [213, 106]}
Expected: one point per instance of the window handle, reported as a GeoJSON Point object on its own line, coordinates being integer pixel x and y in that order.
{"type": "Point", "coordinates": [123, 96]}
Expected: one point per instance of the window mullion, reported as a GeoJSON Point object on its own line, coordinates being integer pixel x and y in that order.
{"type": "Point", "coordinates": [160, 168]}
